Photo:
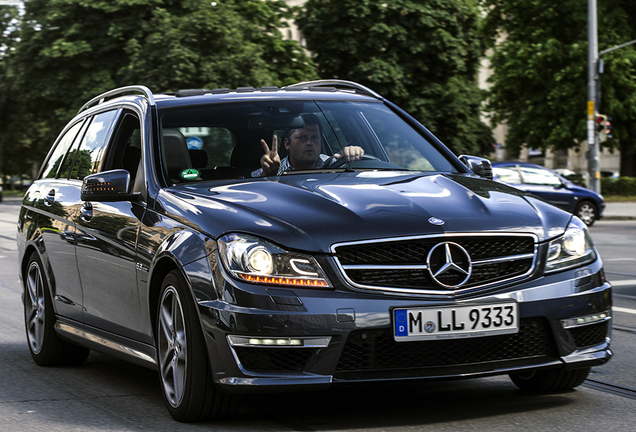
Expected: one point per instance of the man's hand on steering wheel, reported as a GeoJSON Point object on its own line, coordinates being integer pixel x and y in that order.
{"type": "Point", "coordinates": [350, 153]}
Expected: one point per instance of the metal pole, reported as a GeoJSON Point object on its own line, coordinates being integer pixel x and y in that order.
{"type": "Point", "coordinates": [592, 141]}
{"type": "Point", "coordinates": [614, 48]}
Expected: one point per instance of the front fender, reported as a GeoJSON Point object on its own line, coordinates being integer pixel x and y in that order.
{"type": "Point", "coordinates": [185, 250]}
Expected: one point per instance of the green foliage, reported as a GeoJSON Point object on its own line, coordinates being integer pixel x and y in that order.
{"type": "Point", "coordinates": [11, 156]}
{"type": "Point", "coordinates": [422, 55]}
{"type": "Point", "coordinates": [623, 186]}
{"type": "Point", "coordinates": [68, 51]}
{"type": "Point", "coordinates": [540, 63]}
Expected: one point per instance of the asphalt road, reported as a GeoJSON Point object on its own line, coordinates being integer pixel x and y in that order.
{"type": "Point", "coordinates": [109, 395]}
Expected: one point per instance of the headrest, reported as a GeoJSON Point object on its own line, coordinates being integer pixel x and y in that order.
{"type": "Point", "coordinates": [199, 158]}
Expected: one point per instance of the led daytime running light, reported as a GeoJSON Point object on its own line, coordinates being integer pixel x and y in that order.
{"type": "Point", "coordinates": [279, 342]}
{"type": "Point", "coordinates": [585, 320]}
{"type": "Point", "coordinates": [275, 342]}
{"type": "Point", "coordinates": [277, 280]}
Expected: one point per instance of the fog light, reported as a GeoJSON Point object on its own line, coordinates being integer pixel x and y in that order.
{"type": "Point", "coordinates": [586, 320]}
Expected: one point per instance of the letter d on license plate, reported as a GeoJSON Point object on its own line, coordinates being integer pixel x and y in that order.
{"type": "Point", "coordinates": [455, 322]}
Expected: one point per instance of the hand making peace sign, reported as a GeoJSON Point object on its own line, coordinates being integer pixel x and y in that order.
{"type": "Point", "coordinates": [270, 161]}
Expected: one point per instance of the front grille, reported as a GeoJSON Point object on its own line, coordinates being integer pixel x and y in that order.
{"type": "Point", "coordinates": [589, 335]}
{"type": "Point", "coordinates": [273, 359]}
{"type": "Point", "coordinates": [403, 264]}
{"type": "Point", "coordinates": [376, 350]}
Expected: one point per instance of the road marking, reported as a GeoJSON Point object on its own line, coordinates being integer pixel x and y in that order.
{"type": "Point", "coordinates": [623, 282]}
{"type": "Point", "coordinates": [625, 310]}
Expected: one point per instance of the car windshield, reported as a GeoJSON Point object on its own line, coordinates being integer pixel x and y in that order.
{"type": "Point", "coordinates": [223, 141]}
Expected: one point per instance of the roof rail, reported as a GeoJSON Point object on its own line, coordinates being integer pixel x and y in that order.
{"type": "Point", "coordinates": [335, 83]}
{"type": "Point", "coordinates": [120, 92]}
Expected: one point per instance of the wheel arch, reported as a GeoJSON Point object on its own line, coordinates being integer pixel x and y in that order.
{"type": "Point", "coordinates": [185, 251]}
{"type": "Point", "coordinates": [162, 267]}
{"type": "Point", "coordinates": [29, 249]}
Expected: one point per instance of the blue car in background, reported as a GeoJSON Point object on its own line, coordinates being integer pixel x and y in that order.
{"type": "Point", "coordinates": [557, 190]}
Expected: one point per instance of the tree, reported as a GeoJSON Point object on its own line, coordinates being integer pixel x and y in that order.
{"type": "Point", "coordinates": [540, 64]}
{"type": "Point", "coordinates": [422, 55]}
{"type": "Point", "coordinates": [72, 50]}
{"type": "Point", "coordinates": [8, 17]}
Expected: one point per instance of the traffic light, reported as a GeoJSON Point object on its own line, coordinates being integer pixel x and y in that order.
{"type": "Point", "coordinates": [608, 127]}
{"type": "Point", "coordinates": [602, 127]}
{"type": "Point", "coordinates": [601, 120]}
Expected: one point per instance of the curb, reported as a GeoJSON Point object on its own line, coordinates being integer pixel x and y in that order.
{"type": "Point", "coordinates": [617, 218]}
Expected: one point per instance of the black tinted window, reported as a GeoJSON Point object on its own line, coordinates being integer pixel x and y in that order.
{"type": "Point", "coordinates": [91, 150]}
{"type": "Point", "coordinates": [61, 155]}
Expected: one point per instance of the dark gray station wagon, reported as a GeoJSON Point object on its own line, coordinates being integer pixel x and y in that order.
{"type": "Point", "coordinates": [297, 238]}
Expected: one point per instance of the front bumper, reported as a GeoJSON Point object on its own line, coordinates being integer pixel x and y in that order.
{"type": "Point", "coordinates": [360, 345]}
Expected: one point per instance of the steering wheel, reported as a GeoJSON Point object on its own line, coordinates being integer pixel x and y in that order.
{"type": "Point", "coordinates": [332, 162]}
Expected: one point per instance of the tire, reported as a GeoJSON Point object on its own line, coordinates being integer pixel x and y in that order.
{"type": "Point", "coordinates": [550, 380]}
{"type": "Point", "coordinates": [587, 212]}
{"type": "Point", "coordinates": [47, 349]}
{"type": "Point", "coordinates": [184, 370]}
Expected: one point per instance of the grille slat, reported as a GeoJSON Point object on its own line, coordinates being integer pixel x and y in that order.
{"type": "Point", "coordinates": [389, 264]}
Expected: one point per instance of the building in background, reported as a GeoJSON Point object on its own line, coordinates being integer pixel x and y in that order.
{"type": "Point", "coordinates": [292, 31]}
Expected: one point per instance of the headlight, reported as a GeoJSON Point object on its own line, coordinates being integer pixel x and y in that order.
{"type": "Point", "coordinates": [574, 248]}
{"type": "Point", "coordinates": [250, 259]}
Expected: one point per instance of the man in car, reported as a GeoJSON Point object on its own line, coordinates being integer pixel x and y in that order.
{"type": "Point", "coordinates": [303, 144]}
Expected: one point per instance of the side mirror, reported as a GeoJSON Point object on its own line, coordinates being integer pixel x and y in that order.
{"type": "Point", "coordinates": [108, 186]}
{"type": "Point", "coordinates": [480, 166]}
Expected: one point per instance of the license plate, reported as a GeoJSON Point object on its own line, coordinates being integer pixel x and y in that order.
{"type": "Point", "coordinates": [455, 322]}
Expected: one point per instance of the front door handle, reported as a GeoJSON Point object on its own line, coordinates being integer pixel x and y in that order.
{"type": "Point", "coordinates": [86, 212]}
{"type": "Point", "coordinates": [50, 198]}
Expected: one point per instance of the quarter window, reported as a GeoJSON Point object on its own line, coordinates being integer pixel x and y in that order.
{"type": "Point", "coordinates": [61, 157]}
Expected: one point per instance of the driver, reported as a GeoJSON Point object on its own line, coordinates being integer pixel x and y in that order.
{"type": "Point", "coordinates": [303, 144]}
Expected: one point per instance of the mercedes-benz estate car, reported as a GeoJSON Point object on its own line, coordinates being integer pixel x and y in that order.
{"type": "Point", "coordinates": [259, 240]}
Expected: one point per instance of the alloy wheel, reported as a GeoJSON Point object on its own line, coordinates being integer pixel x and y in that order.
{"type": "Point", "coordinates": [35, 308]}
{"type": "Point", "coordinates": [587, 213]}
{"type": "Point", "coordinates": [172, 346]}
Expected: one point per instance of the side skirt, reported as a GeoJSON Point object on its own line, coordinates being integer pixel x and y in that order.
{"type": "Point", "coordinates": [122, 348]}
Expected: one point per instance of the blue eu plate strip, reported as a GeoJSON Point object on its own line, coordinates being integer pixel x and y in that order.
{"type": "Point", "coordinates": [400, 323]}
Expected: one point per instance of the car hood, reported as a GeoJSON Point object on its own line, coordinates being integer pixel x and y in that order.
{"type": "Point", "coordinates": [313, 212]}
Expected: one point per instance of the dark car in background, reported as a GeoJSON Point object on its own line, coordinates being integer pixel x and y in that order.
{"type": "Point", "coordinates": [150, 236]}
{"type": "Point", "coordinates": [552, 187]}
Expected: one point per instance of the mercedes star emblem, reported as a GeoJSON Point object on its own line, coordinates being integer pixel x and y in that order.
{"type": "Point", "coordinates": [449, 264]}
{"type": "Point", "coordinates": [436, 221]}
